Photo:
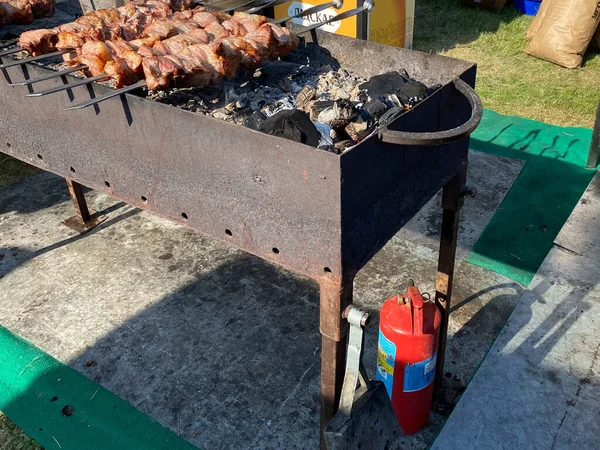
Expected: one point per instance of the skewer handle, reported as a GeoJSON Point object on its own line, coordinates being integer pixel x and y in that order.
{"type": "Point", "coordinates": [133, 87]}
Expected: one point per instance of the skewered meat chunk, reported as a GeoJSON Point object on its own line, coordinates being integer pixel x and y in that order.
{"type": "Point", "coordinates": [179, 42]}
{"type": "Point", "coordinates": [16, 11]}
{"type": "Point", "coordinates": [126, 22]}
{"type": "Point", "coordinates": [24, 11]}
{"type": "Point", "coordinates": [38, 42]}
{"type": "Point", "coordinates": [250, 22]}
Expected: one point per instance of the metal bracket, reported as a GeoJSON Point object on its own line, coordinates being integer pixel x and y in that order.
{"type": "Point", "coordinates": [355, 371]}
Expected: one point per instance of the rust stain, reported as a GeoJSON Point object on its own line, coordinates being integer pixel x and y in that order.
{"type": "Point", "coordinates": [305, 173]}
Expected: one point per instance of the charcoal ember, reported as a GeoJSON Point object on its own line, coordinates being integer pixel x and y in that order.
{"type": "Point", "coordinates": [412, 93]}
{"type": "Point", "coordinates": [305, 96]}
{"type": "Point", "coordinates": [360, 128]}
{"type": "Point", "coordinates": [342, 145]}
{"type": "Point", "coordinates": [317, 107]}
{"type": "Point", "coordinates": [339, 115]}
{"type": "Point", "coordinates": [291, 124]}
{"type": "Point", "coordinates": [254, 119]}
{"type": "Point", "coordinates": [383, 84]}
{"type": "Point", "coordinates": [221, 113]}
{"type": "Point", "coordinates": [273, 72]}
{"type": "Point", "coordinates": [375, 108]}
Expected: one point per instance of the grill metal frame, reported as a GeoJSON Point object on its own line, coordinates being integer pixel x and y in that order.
{"type": "Point", "coordinates": [316, 213]}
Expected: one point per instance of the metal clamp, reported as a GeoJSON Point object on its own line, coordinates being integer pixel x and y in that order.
{"type": "Point", "coordinates": [440, 137]}
{"type": "Point", "coordinates": [355, 370]}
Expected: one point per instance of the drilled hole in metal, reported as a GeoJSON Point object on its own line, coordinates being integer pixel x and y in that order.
{"type": "Point", "coordinates": [144, 199]}
{"type": "Point", "coordinates": [228, 232]}
{"type": "Point", "coordinates": [40, 156]}
{"type": "Point", "coordinates": [107, 184]}
{"type": "Point", "coordinates": [72, 169]}
{"type": "Point", "coordinates": [327, 270]}
{"type": "Point", "coordinates": [275, 250]}
{"type": "Point", "coordinates": [184, 215]}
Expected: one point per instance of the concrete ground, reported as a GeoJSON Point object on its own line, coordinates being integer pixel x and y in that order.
{"type": "Point", "coordinates": [539, 387]}
{"type": "Point", "coordinates": [215, 344]}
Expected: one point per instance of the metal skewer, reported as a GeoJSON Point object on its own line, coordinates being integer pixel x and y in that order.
{"type": "Point", "coordinates": [133, 87]}
{"type": "Point", "coordinates": [10, 52]}
{"type": "Point", "coordinates": [9, 43]}
{"type": "Point", "coordinates": [49, 76]}
{"type": "Point", "coordinates": [367, 6]}
{"type": "Point", "coordinates": [68, 86]}
{"type": "Point", "coordinates": [241, 5]}
{"type": "Point", "coordinates": [33, 58]}
{"type": "Point", "coordinates": [265, 5]}
{"type": "Point", "coordinates": [337, 4]}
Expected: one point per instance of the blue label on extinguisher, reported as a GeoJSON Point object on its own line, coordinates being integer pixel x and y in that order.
{"type": "Point", "coordinates": [386, 355]}
{"type": "Point", "coordinates": [419, 375]}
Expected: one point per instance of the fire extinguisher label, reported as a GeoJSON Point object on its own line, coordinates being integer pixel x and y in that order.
{"type": "Point", "coordinates": [419, 375]}
{"type": "Point", "coordinates": [386, 355]}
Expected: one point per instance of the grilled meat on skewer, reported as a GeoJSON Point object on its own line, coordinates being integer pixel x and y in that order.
{"type": "Point", "coordinates": [126, 22]}
{"type": "Point", "coordinates": [23, 12]}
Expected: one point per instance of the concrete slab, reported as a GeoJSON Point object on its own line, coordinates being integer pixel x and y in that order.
{"type": "Point", "coordinates": [213, 343]}
{"type": "Point", "coordinates": [539, 386]}
{"type": "Point", "coordinates": [580, 233]}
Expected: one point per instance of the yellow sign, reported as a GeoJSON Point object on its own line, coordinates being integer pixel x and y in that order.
{"type": "Point", "coordinates": [389, 23]}
{"type": "Point", "coordinates": [346, 27]}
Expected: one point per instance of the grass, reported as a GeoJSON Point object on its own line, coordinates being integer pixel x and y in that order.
{"type": "Point", "coordinates": [12, 438]}
{"type": "Point", "coordinates": [508, 80]}
{"type": "Point", "coordinates": [12, 170]}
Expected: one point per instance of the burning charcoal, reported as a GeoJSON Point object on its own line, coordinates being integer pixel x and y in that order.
{"type": "Point", "coordinates": [342, 145]}
{"type": "Point", "coordinates": [274, 72]}
{"type": "Point", "coordinates": [412, 93]}
{"type": "Point", "coordinates": [360, 128]}
{"type": "Point", "coordinates": [253, 121]}
{"type": "Point", "coordinates": [375, 108]}
{"type": "Point", "coordinates": [383, 84]}
{"type": "Point", "coordinates": [305, 96]}
{"type": "Point", "coordinates": [292, 124]}
{"type": "Point", "coordinates": [339, 115]}
{"type": "Point", "coordinates": [221, 113]}
{"type": "Point", "coordinates": [317, 107]}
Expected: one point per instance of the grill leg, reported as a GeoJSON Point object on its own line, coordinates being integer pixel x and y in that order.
{"type": "Point", "coordinates": [84, 219]}
{"type": "Point", "coordinates": [451, 204]}
{"type": "Point", "coordinates": [335, 297]}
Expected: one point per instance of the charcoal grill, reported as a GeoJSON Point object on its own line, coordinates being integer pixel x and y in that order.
{"type": "Point", "coordinates": [316, 213]}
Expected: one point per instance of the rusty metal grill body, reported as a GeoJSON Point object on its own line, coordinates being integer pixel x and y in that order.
{"type": "Point", "coordinates": [317, 213]}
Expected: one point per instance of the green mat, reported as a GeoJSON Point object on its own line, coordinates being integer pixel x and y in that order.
{"type": "Point", "coordinates": [522, 230]}
{"type": "Point", "coordinates": [62, 409]}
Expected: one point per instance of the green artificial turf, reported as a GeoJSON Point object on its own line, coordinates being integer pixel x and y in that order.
{"type": "Point", "coordinates": [62, 409]}
{"type": "Point", "coordinates": [522, 231]}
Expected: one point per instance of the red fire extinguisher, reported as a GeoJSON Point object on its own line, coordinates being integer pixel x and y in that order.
{"type": "Point", "coordinates": [406, 356]}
